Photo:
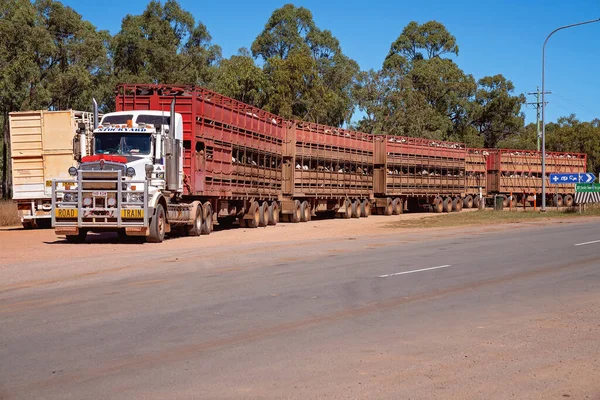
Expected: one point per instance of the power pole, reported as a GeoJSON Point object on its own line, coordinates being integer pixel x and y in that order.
{"type": "Point", "coordinates": [538, 105]}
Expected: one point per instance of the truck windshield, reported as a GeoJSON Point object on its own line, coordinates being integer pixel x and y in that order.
{"type": "Point", "coordinates": [118, 143]}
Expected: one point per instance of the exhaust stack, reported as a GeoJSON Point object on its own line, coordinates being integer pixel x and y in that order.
{"type": "Point", "coordinates": [172, 154]}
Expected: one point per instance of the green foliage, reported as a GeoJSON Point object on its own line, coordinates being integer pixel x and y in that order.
{"type": "Point", "coordinates": [164, 45]}
{"type": "Point", "coordinates": [309, 76]}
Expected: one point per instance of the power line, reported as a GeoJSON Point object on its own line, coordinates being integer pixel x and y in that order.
{"type": "Point", "coordinates": [574, 103]}
{"type": "Point", "coordinates": [538, 105]}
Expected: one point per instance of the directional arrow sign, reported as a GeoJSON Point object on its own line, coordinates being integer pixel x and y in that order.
{"type": "Point", "coordinates": [587, 188]}
{"type": "Point", "coordinates": [572, 178]}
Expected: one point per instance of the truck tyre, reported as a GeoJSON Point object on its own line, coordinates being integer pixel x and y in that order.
{"type": "Point", "coordinates": [558, 200]}
{"type": "Point", "coordinates": [273, 213]}
{"type": "Point", "coordinates": [457, 204]}
{"type": "Point", "coordinates": [304, 212]}
{"type": "Point", "coordinates": [514, 202]}
{"type": "Point", "coordinates": [207, 223]}
{"type": "Point", "coordinates": [297, 214]}
{"type": "Point", "coordinates": [438, 205]}
{"type": "Point", "coordinates": [476, 201]}
{"type": "Point", "coordinates": [196, 228]}
{"type": "Point", "coordinates": [157, 226]}
{"type": "Point", "coordinates": [254, 221]}
{"type": "Point", "coordinates": [389, 208]}
{"type": "Point", "coordinates": [468, 202]}
{"type": "Point", "coordinates": [264, 214]}
{"type": "Point", "coordinates": [347, 209]}
{"type": "Point", "coordinates": [505, 202]}
{"type": "Point", "coordinates": [355, 209]}
{"type": "Point", "coordinates": [79, 238]}
{"type": "Point", "coordinates": [568, 200]}
{"type": "Point", "coordinates": [365, 208]}
{"type": "Point", "coordinates": [397, 206]}
{"type": "Point", "coordinates": [447, 204]}
{"type": "Point", "coordinates": [27, 225]}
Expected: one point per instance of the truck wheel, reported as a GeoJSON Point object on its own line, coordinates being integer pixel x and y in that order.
{"type": "Point", "coordinates": [447, 204]}
{"type": "Point", "coordinates": [355, 209]}
{"type": "Point", "coordinates": [297, 214]}
{"type": "Point", "coordinates": [438, 205]}
{"type": "Point", "coordinates": [568, 200]}
{"type": "Point", "coordinates": [505, 202]}
{"type": "Point", "coordinates": [514, 202]}
{"type": "Point", "coordinates": [273, 211]}
{"type": "Point", "coordinates": [365, 208]}
{"type": "Point", "coordinates": [476, 201]}
{"type": "Point", "coordinates": [558, 200]}
{"type": "Point", "coordinates": [157, 226]}
{"type": "Point", "coordinates": [264, 214]}
{"type": "Point", "coordinates": [27, 225]}
{"type": "Point", "coordinates": [468, 202]}
{"type": "Point", "coordinates": [254, 222]}
{"type": "Point", "coordinates": [457, 204]}
{"type": "Point", "coordinates": [397, 206]}
{"type": "Point", "coordinates": [389, 208]}
{"type": "Point", "coordinates": [79, 238]}
{"type": "Point", "coordinates": [196, 228]}
{"type": "Point", "coordinates": [207, 224]}
{"type": "Point", "coordinates": [304, 212]}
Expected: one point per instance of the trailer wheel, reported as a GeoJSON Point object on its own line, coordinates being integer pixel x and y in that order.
{"type": "Point", "coordinates": [264, 214]}
{"type": "Point", "coordinates": [347, 209]}
{"type": "Point", "coordinates": [365, 208]}
{"type": "Point", "coordinates": [468, 202]}
{"type": "Point", "coordinates": [207, 224]}
{"type": "Point", "coordinates": [457, 204]}
{"type": "Point", "coordinates": [304, 212]}
{"type": "Point", "coordinates": [254, 222]}
{"type": "Point", "coordinates": [157, 226]}
{"type": "Point", "coordinates": [514, 202]}
{"type": "Point", "coordinates": [397, 206]}
{"type": "Point", "coordinates": [355, 213]}
{"type": "Point", "coordinates": [476, 201]}
{"type": "Point", "coordinates": [79, 238]}
{"type": "Point", "coordinates": [297, 215]}
{"type": "Point", "coordinates": [568, 200]}
{"type": "Point", "coordinates": [447, 204]}
{"type": "Point", "coordinates": [389, 208]}
{"type": "Point", "coordinates": [505, 202]}
{"type": "Point", "coordinates": [558, 200]}
{"type": "Point", "coordinates": [196, 228]}
{"type": "Point", "coordinates": [273, 213]}
{"type": "Point", "coordinates": [438, 205]}
{"type": "Point", "coordinates": [27, 225]}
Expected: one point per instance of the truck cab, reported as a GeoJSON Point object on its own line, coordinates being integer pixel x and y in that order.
{"type": "Point", "coordinates": [135, 169]}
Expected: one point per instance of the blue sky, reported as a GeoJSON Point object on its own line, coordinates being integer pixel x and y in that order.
{"type": "Point", "coordinates": [494, 36]}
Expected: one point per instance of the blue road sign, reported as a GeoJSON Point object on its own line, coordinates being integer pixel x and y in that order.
{"type": "Point", "coordinates": [572, 178]}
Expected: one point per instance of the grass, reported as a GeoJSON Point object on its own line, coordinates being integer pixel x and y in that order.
{"type": "Point", "coordinates": [489, 217]}
{"type": "Point", "coordinates": [9, 215]}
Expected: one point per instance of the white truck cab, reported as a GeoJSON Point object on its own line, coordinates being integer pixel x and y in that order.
{"type": "Point", "coordinates": [134, 171]}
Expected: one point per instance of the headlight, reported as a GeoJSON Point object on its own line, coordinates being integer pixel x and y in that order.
{"type": "Point", "coordinates": [160, 175]}
{"type": "Point", "coordinates": [130, 172]}
{"type": "Point", "coordinates": [72, 171]}
{"type": "Point", "coordinates": [134, 198]}
{"type": "Point", "coordinates": [68, 197]}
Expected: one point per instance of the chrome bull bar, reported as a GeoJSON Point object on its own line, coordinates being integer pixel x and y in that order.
{"type": "Point", "coordinates": [98, 213]}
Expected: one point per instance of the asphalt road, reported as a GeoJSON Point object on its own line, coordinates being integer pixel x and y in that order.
{"type": "Point", "coordinates": [470, 315]}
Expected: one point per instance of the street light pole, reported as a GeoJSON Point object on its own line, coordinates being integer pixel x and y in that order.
{"type": "Point", "coordinates": [543, 209]}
